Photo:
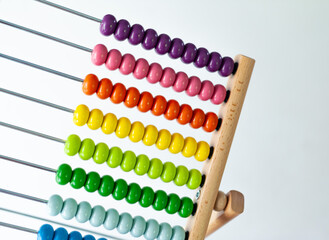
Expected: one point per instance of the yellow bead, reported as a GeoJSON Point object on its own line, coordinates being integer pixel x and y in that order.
{"type": "Point", "coordinates": [95, 119]}
{"type": "Point", "coordinates": [164, 139]}
{"type": "Point", "coordinates": [202, 151]}
{"type": "Point", "coordinates": [123, 127]}
{"type": "Point", "coordinates": [151, 135]}
{"type": "Point", "coordinates": [81, 115]}
{"type": "Point", "coordinates": [137, 132]}
{"type": "Point", "coordinates": [109, 123]}
{"type": "Point", "coordinates": [190, 146]}
{"type": "Point", "coordinates": [177, 143]}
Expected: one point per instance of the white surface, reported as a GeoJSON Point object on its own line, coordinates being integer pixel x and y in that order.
{"type": "Point", "coordinates": [279, 154]}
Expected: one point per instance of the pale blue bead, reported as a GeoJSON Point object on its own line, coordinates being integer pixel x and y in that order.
{"type": "Point", "coordinates": [55, 204]}
{"type": "Point", "coordinates": [125, 223]}
{"type": "Point", "coordinates": [69, 209]}
{"type": "Point", "coordinates": [165, 232]}
{"type": "Point", "coordinates": [138, 227]}
{"type": "Point", "coordinates": [83, 213]}
{"type": "Point", "coordinates": [178, 233]}
{"type": "Point", "coordinates": [152, 229]}
{"type": "Point", "coordinates": [97, 216]}
{"type": "Point", "coordinates": [111, 219]}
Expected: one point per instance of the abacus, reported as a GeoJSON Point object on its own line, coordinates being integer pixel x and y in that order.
{"type": "Point", "coordinates": [210, 209]}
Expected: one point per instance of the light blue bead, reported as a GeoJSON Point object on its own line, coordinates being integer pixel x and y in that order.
{"type": "Point", "coordinates": [46, 232]}
{"type": "Point", "coordinates": [102, 239]}
{"type": "Point", "coordinates": [138, 227]}
{"type": "Point", "coordinates": [125, 223]}
{"type": "Point", "coordinates": [69, 209]}
{"type": "Point", "coordinates": [165, 232]}
{"type": "Point", "coordinates": [75, 236]}
{"type": "Point", "coordinates": [111, 219]}
{"type": "Point", "coordinates": [89, 237]}
{"type": "Point", "coordinates": [152, 229]}
{"type": "Point", "coordinates": [55, 204]}
{"type": "Point", "coordinates": [178, 233]}
{"type": "Point", "coordinates": [97, 216]}
{"type": "Point", "coordinates": [61, 234]}
{"type": "Point", "coordinates": [83, 213]}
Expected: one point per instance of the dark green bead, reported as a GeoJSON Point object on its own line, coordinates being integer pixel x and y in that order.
{"type": "Point", "coordinates": [160, 201]}
{"type": "Point", "coordinates": [93, 181]}
{"type": "Point", "coordinates": [106, 187]}
{"type": "Point", "coordinates": [174, 203]}
{"type": "Point", "coordinates": [186, 208]}
{"type": "Point", "coordinates": [147, 197]}
{"type": "Point", "coordinates": [134, 193]}
{"type": "Point", "coordinates": [78, 178]}
{"type": "Point", "coordinates": [64, 174]}
{"type": "Point", "coordinates": [120, 189]}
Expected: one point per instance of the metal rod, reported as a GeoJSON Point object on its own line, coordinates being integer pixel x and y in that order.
{"type": "Point", "coordinates": [16, 194]}
{"type": "Point", "coordinates": [8, 225]}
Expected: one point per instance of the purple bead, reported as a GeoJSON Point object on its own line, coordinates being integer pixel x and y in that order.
{"type": "Point", "coordinates": [214, 62]}
{"type": "Point", "coordinates": [189, 53]}
{"type": "Point", "coordinates": [122, 31]}
{"type": "Point", "coordinates": [163, 44]}
{"type": "Point", "coordinates": [108, 25]}
{"type": "Point", "coordinates": [226, 67]}
{"type": "Point", "coordinates": [150, 39]}
{"type": "Point", "coordinates": [202, 58]}
{"type": "Point", "coordinates": [177, 48]}
{"type": "Point", "coordinates": [136, 34]}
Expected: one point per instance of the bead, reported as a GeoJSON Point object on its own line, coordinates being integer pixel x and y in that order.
{"type": "Point", "coordinates": [93, 181]}
{"type": "Point", "coordinates": [147, 197]}
{"type": "Point", "coordinates": [152, 229]}
{"type": "Point", "coordinates": [89, 237]}
{"type": "Point", "coordinates": [97, 216]}
{"type": "Point", "coordinates": [122, 30]}
{"type": "Point", "coordinates": [108, 25]}
{"type": "Point", "coordinates": [128, 161]}
{"type": "Point", "coordinates": [60, 234]}
{"type": "Point", "coordinates": [123, 127]}
{"type": "Point", "coordinates": [202, 58]}
{"type": "Point", "coordinates": [63, 174]}
{"type": "Point", "coordinates": [132, 97]}
{"type": "Point", "coordinates": [160, 201]}
{"type": "Point", "coordinates": [202, 151]}
{"type": "Point", "coordinates": [113, 60]}
{"type": "Point", "coordinates": [177, 143]}
{"type": "Point", "coordinates": [137, 132]}
{"type": "Point", "coordinates": [75, 236]}
{"type": "Point", "coordinates": [127, 64]}
{"type": "Point", "coordinates": [138, 227]}
{"type": "Point", "coordinates": [136, 34]}
{"type": "Point", "coordinates": [81, 115]}
{"type": "Point", "coordinates": [207, 90]}
{"type": "Point", "coordinates": [78, 179]}
{"type": "Point", "coordinates": [69, 209]}
{"type": "Point", "coordinates": [101, 153]}
{"type": "Point", "coordinates": [190, 146]}
{"type": "Point", "coordinates": [189, 53]}
{"type": "Point", "coordinates": [90, 84]}
{"type": "Point", "coordinates": [115, 157]}
{"type": "Point", "coordinates": [176, 48]}
{"type": "Point", "coordinates": [112, 219]}
{"type": "Point", "coordinates": [198, 118]}
{"type": "Point", "coordinates": [125, 223]}
{"type": "Point", "coordinates": [155, 169]}
{"type": "Point", "coordinates": [142, 165]}
{"type": "Point", "coordinates": [95, 119]}
{"type": "Point", "coordinates": [141, 68]}
{"type": "Point", "coordinates": [174, 203]}
{"type": "Point", "coordinates": [219, 94]}
{"type": "Point", "coordinates": [163, 45]}
{"type": "Point", "coordinates": [210, 122]}
{"type": "Point", "coordinates": [145, 102]}
{"type": "Point", "coordinates": [194, 86]}
{"type": "Point", "coordinates": [150, 135]}
{"type": "Point", "coordinates": [168, 77]}
{"type": "Point", "coordinates": [46, 232]}
{"type": "Point", "coordinates": [185, 114]}
{"type": "Point", "coordinates": [83, 212]}
{"type": "Point", "coordinates": [165, 232]}
{"type": "Point", "coordinates": [178, 233]}
{"type": "Point", "coordinates": [72, 145]}
{"type": "Point", "coordinates": [119, 93]}
{"type": "Point", "coordinates": [150, 39]}
{"type": "Point", "coordinates": [172, 110]}
{"type": "Point", "coordinates": [54, 204]}
{"type": "Point", "coordinates": [109, 123]}
{"type": "Point", "coordinates": [99, 55]}
{"type": "Point", "coordinates": [120, 189]}
{"type": "Point", "coordinates": [181, 82]}
{"type": "Point", "coordinates": [159, 105]}
{"type": "Point", "coordinates": [182, 175]}
{"type": "Point", "coordinates": [87, 149]}
{"type": "Point", "coordinates": [106, 186]}
{"type": "Point", "coordinates": [194, 179]}
{"type": "Point", "coordinates": [226, 67]}
{"type": "Point", "coordinates": [155, 73]}
{"type": "Point", "coordinates": [164, 139]}
{"type": "Point", "coordinates": [186, 208]}
{"type": "Point", "coordinates": [169, 172]}
{"type": "Point", "coordinates": [104, 89]}
{"type": "Point", "coordinates": [215, 60]}
{"type": "Point", "coordinates": [134, 193]}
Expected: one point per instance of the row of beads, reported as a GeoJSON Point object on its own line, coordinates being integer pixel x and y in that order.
{"type": "Point", "coordinates": [163, 44]}
{"type": "Point", "coordinates": [154, 73]}
{"type": "Point", "coordinates": [146, 102]}
{"type": "Point", "coordinates": [136, 131]}
{"type": "Point", "coordinates": [119, 189]}
{"type": "Point", "coordinates": [128, 161]}
{"type": "Point", "coordinates": [111, 219]}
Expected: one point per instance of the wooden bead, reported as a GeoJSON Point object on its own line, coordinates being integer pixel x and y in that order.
{"type": "Point", "coordinates": [202, 151]}
{"type": "Point", "coordinates": [132, 97]}
{"type": "Point", "coordinates": [99, 54]}
{"type": "Point", "coordinates": [164, 139]}
{"type": "Point", "coordinates": [190, 146]}
{"type": "Point", "coordinates": [172, 110]}
{"type": "Point", "coordinates": [127, 64]}
{"type": "Point", "coordinates": [113, 60]}
{"type": "Point", "coordinates": [137, 132]}
{"type": "Point", "coordinates": [81, 115]}
{"type": "Point", "coordinates": [211, 121]}
{"type": "Point", "coordinates": [150, 135]}
{"type": "Point", "coordinates": [104, 89]}
{"type": "Point", "coordinates": [177, 143]}
{"type": "Point", "coordinates": [155, 73]}
{"type": "Point", "coordinates": [145, 102]}
{"type": "Point", "coordinates": [141, 68]}
{"type": "Point", "coordinates": [159, 105]}
{"type": "Point", "coordinates": [118, 93]}
{"type": "Point", "coordinates": [101, 153]}
{"type": "Point", "coordinates": [197, 118]}
{"type": "Point", "coordinates": [95, 119]}
{"type": "Point", "coordinates": [185, 114]}
{"type": "Point", "coordinates": [109, 123]}
{"type": "Point", "coordinates": [72, 145]}
{"type": "Point", "coordinates": [123, 127]}
{"type": "Point", "coordinates": [90, 84]}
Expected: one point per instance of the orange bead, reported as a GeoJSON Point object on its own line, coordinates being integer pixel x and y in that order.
{"type": "Point", "coordinates": [172, 110]}
{"type": "Point", "coordinates": [118, 93]}
{"type": "Point", "coordinates": [132, 97]}
{"type": "Point", "coordinates": [104, 88]}
{"type": "Point", "coordinates": [145, 102]}
{"type": "Point", "coordinates": [185, 114]}
{"type": "Point", "coordinates": [197, 118]}
{"type": "Point", "coordinates": [159, 105]}
{"type": "Point", "coordinates": [210, 122]}
{"type": "Point", "coordinates": [90, 84]}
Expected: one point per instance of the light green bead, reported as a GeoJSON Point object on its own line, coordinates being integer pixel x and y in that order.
{"type": "Point", "coordinates": [194, 179]}
{"type": "Point", "coordinates": [155, 169]}
{"type": "Point", "coordinates": [87, 149]}
{"type": "Point", "coordinates": [182, 175]}
{"type": "Point", "coordinates": [129, 161]}
{"type": "Point", "coordinates": [142, 165]}
{"type": "Point", "coordinates": [101, 153]}
{"type": "Point", "coordinates": [115, 157]}
{"type": "Point", "coordinates": [168, 172]}
{"type": "Point", "coordinates": [72, 145]}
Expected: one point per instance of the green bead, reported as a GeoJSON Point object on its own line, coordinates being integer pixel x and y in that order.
{"type": "Point", "coordinates": [194, 179]}
{"type": "Point", "coordinates": [129, 161]}
{"type": "Point", "coordinates": [101, 153]}
{"type": "Point", "coordinates": [147, 197]}
{"type": "Point", "coordinates": [155, 169]}
{"type": "Point", "coordinates": [93, 181]}
{"type": "Point", "coordinates": [115, 157]}
{"type": "Point", "coordinates": [174, 203]}
{"type": "Point", "coordinates": [63, 174]}
{"type": "Point", "coordinates": [120, 189]}
{"type": "Point", "coordinates": [168, 172]}
{"type": "Point", "coordinates": [72, 145]}
{"type": "Point", "coordinates": [186, 207]}
{"type": "Point", "coordinates": [87, 149]}
{"type": "Point", "coordinates": [78, 178]}
{"type": "Point", "coordinates": [134, 193]}
{"type": "Point", "coordinates": [182, 175]}
{"type": "Point", "coordinates": [142, 165]}
{"type": "Point", "coordinates": [106, 186]}
{"type": "Point", "coordinates": [160, 201]}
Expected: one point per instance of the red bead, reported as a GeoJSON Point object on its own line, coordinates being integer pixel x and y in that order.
{"type": "Point", "coordinates": [210, 122]}
{"type": "Point", "coordinates": [118, 93]}
{"type": "Point", "coordinates": [197, 118]}
{"type": "Point", "coordinates": [104, 88]}
{"type": "Point", "coordinates": [90, 84]}
{"type": "Point", "coordinates": [145, 102]}
{"type": "Point", "coordinates": [172, 110]}
{"type": "Point", "coordinates": [132, 97]}
{"type": "Point", "coordinates": [159, 105]}
{"type": "Point", "coordinates": [185, 114]}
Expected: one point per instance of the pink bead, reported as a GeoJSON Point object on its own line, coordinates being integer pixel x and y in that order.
{"type": "Point", "coordinates": [181, 82]}
{"type": "Point", "coordinates": [207, 90]}
{"type": "Point", "coordinates": [219, 94]}
{"type": "Point", "coordinates": [99, 54]}
{"type": "Point", "coordinates": [168, 77]}
{"type": "Point", "coordinates": [194, 86]}
{"type": "Point", "coordinates": [155, 73]}
{"type": "Point", "coordinates": [141, 68]}
{"type": "Point", "coordinates": [113, 60]}
{"type": "Point", "coordinates": [127, 64]}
